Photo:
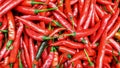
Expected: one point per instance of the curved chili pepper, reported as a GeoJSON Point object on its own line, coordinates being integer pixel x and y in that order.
{"type": "Point", "coordinates": [84, 14]}
{"type": "Point", "coordinates": [87, 32]}
{"type": "Point", "coordinates": [31, 3]}
{"type": "Point", "coordinates": [9, 7]}
{"type": "Point", "coordinates": [63, 22]}
{"type": "Point", "coordinates": [23, 59]}
{"type": "Point", "coordinates": [104, 2]}
{"type": "Point", "coordinates": [111, 22]}
{"type": "Point", "coordinates": [14, 51]}
{"type": "Point", "coordinates": [31, 49]}
{"type": "Point", "coordinates": [113, 30]}
{"type": "Point", "coordinates": [102, 27]}
{"type": "Point", "coordinates": [36, 36]}
{"type": "Point", "coordinates": [52, 5]}
{"type": "Point", "coordinates": [49, 59]}
{"type": "Point", "coordinates": [27, 55]}
{"type": "Point", "coordinates": [44, 54]}
{"type": "Point", "coordinates": [110, 9]}
{"type": "Point", "coordinates": [64, 49]}
{"type": "Point", "coordinates": [32, 25]}
{"type": "Point", "coordinates": [32, 11]}
{"type": "Point", "coordinates": [2, 51]}
{"type": "Point", "coordinates": [4, 4]}
{"type": "Point", "coordinates": [111, 52]}
{"type": "Point", "coordinates": [114, 44]}
{"type": "Point", "coordinates": [87, 22]}
{"type": "Point", "coordinates": [11, 28]}
{"type": "Point", "coordinates": [69, 13]}
{"type": "Point", "coordinates": [101, 51]}
{"type": "Point", "coordinates": [69, 44]}
{"type": "Point", "coordinates": [56, 31]}
{"type": "Point", "coordinates": [41, 18]}
{"type": "Point", "coordinates": [99, 11]}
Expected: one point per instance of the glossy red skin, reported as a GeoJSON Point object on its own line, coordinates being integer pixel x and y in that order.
{"type": "Point", "coordinates": [84, 14]}
{"type": "Point", "coordinates": [105, 2]}
{"type": "Point", "coordinates": [16, 64]}
{"type": "Point", "coordinates": [9, 7]}
{"type": "Point", "coordinates": [112, 20]}
{"type": "Point", "coordinates": [64, 49]}
{"type": "Point", "coordinates": [4, 4]}
{"type": "Point", "coordinates": [48, 61]}
{"type": "Point", "coordinates": [89, 16]}
{"type": "Point", "coordinates": [32, 25]}
{"type": "Point", "coordinates": [64, 22]}
{"type": "Point", "coordinates": [16, 44]}
{"type": "Point", "coordinates": [113, 30]}
{"type": "Point", "coordinates": [11, 26]}
{"type": "Point", "coordinates": [102, 28]}
{"type": "Point", "coordinates": [68, 43]}
{"type": "Point", "coordinates": [101, 51]}
{"type": "Point", "coordinates": [31, 49]}
{"type": "Point", "coordinates": [52, 5]}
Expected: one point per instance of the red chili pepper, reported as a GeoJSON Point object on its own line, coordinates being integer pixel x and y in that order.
{"type": "Point", "coordinates": [102, 27]}
{"type": "Point", "coordinates": [49, 59]}
{"type": "Point", "coordinates": [64, 22]}
{"type": "Point", "coordinates": [87, 22]}
{"type": "Point", "coordinates": [26, 40]}
{"type": "Point", "coordinates": [32, 26]}
{"type": "Point", "coordinates": [72, 2]}
{"type": "Point", "coordinates": [16, 43]}
{"type": "Point", "coordinates": [105, 2]}
{"type": "Point", "coordinates": [69, 14]}
{"type": "Point", "coordinates": [99, 11]}
{"type": "Point", "coordinates": [113, 30]}
{"type": "Point", "coordinates": [111, 22]}
{"type": "Point", "coordinates": [32, 11]}
{"type": "Point", "coordinates": [2, 51]}
{"type": "Point", "coordinates": [44, 55]}
{"type": "Point", "coordinates": [4, 4]}
{"type": "Point", "coordinates": [52, 5]}
{"type": "Point", "coordinates": [79, 55]}
{"type": "Point", "coordinates": [87, 32]}
{"type": "Point", "coordinates": [11, 28]}
{"type": "Point", "coordinates": [23, 59]}
{"type": "Point", "coordinates": [116, 2]}
{"type": "Point", "coordinates": [31, 49]}
{"type": "Point", "coordinates": [84, 14]}
{"type": "Point", "coordinates": [31, 3]}
{"type": "Point", "coordinates": [101, 51]}
{"type": "Point", "coordinates": [114, 44]}
{"type": "Point", "coordinates": [36, 36]}
{"type": "Point", "coordinates": [56, 31]}
{"type": "Point", "coordinates": [68, 43]}
{"type": "Point", "coordinates": [64, 49]}
{"type": "Point", "coordinates": [9, 7]}
{"type": "Point", "coordinates": [77, 64]}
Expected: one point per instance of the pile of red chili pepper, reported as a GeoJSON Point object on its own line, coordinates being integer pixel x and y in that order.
{"type": "Point", "coordinates": [59, 34]}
